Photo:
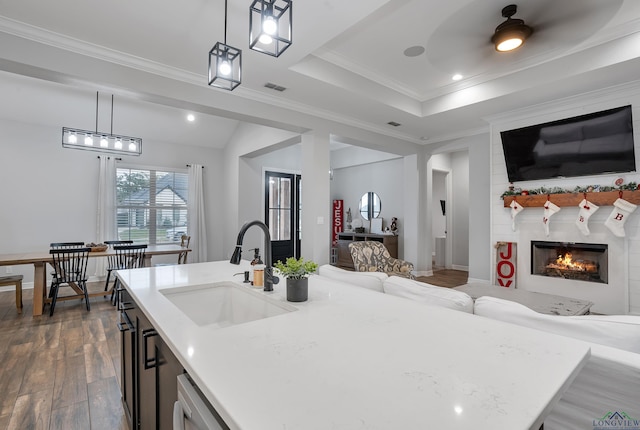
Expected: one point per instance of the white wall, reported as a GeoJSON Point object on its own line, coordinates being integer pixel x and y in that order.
{"type": "Point", "coordinates": [459, 210]}
{"type": "Point", "coordinates": [384, 178]}
{"type": "Point", "coordinates": [49, 192]}
{"type": "Point", "coordinates": [253, 187]}
{"type": "Point", "coordinates": [478, 197]}
{"type": "Point", "coordinates": [249, 140]}
{"type": "Point", "coordinates": [565, 219]}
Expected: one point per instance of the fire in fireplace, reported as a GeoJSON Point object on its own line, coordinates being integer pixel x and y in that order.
{"type": "Point", "coordinates": [577, 261]}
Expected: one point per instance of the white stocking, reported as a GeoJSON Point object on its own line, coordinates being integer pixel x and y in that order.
{"type": "Point", "coordinates": [586, 210]}
{"type": "Point", "coordinates": [621, 211]}
{"type": "Point", "coordinates": [516, 208]}
{"type": "Point", "coordinates": [549, 210]}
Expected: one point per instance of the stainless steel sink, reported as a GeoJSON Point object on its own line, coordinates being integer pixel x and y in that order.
{"type": "Point", "coordinates": [224, 304]}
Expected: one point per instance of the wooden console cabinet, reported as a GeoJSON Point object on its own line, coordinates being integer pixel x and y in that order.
{"type": "Point", "coordinates": [344, 239]}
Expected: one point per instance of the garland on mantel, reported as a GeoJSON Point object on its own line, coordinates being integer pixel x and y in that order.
{"type": "Point", "coordinates": [517, 191]}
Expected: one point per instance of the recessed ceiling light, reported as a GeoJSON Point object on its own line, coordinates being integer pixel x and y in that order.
{"type": "Point", "coordinates": [393, 123]}
{"type": "Point", "coordinates": [191, 117]}
{"type": "Point", "coordinates": [456, 77]}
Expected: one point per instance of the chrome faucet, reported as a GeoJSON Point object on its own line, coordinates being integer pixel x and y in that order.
{"type": "Point", "coordinates": [269, 278]}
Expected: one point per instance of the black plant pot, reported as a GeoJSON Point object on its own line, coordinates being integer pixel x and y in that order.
{"type": "Point", "coordinates": [297, 290]}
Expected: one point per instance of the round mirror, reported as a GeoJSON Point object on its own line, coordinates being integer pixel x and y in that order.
{"type": "Point", "coordinates": [370, 205]}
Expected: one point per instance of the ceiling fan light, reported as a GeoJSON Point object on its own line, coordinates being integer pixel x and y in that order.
{"type": "Point", "coordinates": [509, 44]}
{"type": "Point", "coordinates": [512, 33]}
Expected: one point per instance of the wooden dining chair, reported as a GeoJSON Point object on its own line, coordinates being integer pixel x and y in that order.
{"type": "Point", "coordinates": [126, 257]}
{"type": "Point", "coordinates": [111, 259]}
{"type": "Point", "coordinates": [184, 242]}
{"type": "Point", "coordinates": [71, 270]}
{"type": "Point", "coordinates": [61, 245]}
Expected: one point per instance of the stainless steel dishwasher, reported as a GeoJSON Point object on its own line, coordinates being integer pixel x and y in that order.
{"type": "Point", "coordinates": [191, 411]}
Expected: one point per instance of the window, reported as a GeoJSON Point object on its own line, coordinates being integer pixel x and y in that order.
{"type": "Point", "coordinates": [151, 205]}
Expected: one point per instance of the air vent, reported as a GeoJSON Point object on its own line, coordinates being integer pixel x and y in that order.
{"type": "Point", "coordinates": [393, 123]}
{"type": "Point", "coordinates": [274, 87]}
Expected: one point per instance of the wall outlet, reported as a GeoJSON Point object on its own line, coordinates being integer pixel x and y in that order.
{"type": "Point", "coordinates": [8, 270]}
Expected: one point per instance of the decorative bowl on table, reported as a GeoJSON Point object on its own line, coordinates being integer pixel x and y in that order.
{"type": "Point", "coordinates": [96, 247]}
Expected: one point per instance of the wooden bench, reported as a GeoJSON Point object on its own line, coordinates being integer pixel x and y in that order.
{"type": "Point", "coordinates": [17, 281]}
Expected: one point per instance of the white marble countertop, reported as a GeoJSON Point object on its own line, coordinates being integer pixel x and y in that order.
{"type": "Point", "coordinates": [351, 358]}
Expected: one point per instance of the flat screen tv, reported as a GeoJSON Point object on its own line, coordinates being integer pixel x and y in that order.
{"type": "Point", "coordinates": [592, 144]}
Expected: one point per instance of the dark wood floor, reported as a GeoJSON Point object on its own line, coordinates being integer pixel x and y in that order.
{"type": "Point", "coordinates": [446, 278]}
{"type": "Point", "coordinates": [59, 372]}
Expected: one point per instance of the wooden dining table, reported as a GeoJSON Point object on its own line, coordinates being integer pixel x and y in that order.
{"type": "Point", "coordinates": [40, 260]}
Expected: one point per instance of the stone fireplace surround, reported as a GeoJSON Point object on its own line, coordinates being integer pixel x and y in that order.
{"type": "Point", "coordinates": [610, 298]}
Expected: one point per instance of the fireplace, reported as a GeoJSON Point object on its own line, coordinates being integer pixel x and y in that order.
{"type": "Point", "coordinates": [568, 260]}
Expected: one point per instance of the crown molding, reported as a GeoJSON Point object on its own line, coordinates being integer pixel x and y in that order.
{"type": "Point", "coordinates": [84, 48]}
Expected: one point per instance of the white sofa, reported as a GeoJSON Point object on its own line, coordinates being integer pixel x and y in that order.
{"type": "Point", "coordinates": [428, 294]}
{"type": "Point", "coordinates": [403, 287]}
{"type": "Point", "coordinates": [370, 280]}
{"type": "Point", "coordinates": [610, 380]}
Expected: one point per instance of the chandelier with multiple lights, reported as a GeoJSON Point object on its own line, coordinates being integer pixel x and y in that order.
{"type": "Point", "coordinates": [270, 23]}
{"type": "Point", "coordinates": [101, 141]}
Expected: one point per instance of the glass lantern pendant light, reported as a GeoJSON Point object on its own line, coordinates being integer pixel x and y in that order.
{"type": "Point", "coordinates": [225, 62]}
{"type": "Point", "coordinates": [270, 24]}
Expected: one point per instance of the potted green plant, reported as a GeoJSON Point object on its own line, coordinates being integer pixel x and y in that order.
{"type": "Point", "coordinates": [297, 272]}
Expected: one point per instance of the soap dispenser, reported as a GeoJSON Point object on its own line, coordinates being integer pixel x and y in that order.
{"type": "Point", "coordinates": [256, 257]}
{"type": "Point", "coordinates": [257, 269]}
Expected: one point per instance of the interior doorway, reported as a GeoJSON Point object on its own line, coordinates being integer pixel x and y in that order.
{"type": "Point", "coordinates": [283, 213]}
{"type": "Point", "coordinates": [439, 217]}
{"type": "Point", "coordinates": [454, 166]}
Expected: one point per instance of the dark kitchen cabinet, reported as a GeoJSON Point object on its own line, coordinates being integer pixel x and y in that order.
{"type": "Point", "coordinates": [149, 370]}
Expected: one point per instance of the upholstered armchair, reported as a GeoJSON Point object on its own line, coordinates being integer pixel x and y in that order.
{"type": "Point", "coordinates": [372, 256]}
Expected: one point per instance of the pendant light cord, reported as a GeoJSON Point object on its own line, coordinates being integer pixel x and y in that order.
{"type": "Point", "coordinates": [97, 99]}
{"type": "Point", "coordinates": [111, 113]}
{"type": "Point", "coordinates": [225, 22]}
{"type": "Point", "coordinates": [96, 112]}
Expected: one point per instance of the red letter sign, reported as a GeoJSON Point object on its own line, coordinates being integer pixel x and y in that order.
{"type": "Point", "coordinates": [506, 264]}
{"type": "Point", "coordinates": [337, 220]}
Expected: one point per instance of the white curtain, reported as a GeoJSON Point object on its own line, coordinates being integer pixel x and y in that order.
{"type": "Point", "coordinates": [106, 228]}
{"type": "Point", "coordinates": [197, 221]}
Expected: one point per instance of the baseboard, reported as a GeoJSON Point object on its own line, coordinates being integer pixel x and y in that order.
{"type": "Point", "coordinates": [478, 281]}
{"type": "Point", "coordinates": [423, 273]}
{"type": "Point", "coordinates": [463, 268]}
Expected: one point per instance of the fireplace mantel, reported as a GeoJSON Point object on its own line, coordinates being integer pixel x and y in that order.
{"type": "Point", "coordinates": [573, 199]}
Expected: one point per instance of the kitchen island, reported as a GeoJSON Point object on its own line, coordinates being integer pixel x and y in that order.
{"type": "Point", "coordinates": [351, 358]}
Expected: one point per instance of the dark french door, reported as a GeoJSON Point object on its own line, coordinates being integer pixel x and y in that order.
{"type": "Point", "coordinates": [282, 213]}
